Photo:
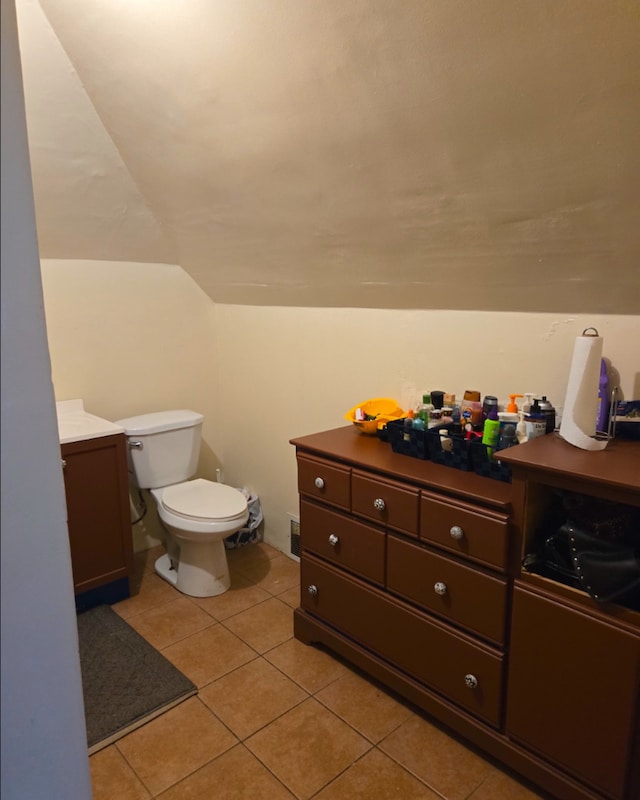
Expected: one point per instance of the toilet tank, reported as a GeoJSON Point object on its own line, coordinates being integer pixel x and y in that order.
{"type": "Point", "coordinates": [163, 446]}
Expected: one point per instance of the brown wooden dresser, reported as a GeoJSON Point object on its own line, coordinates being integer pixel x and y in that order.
{"type": "Point", "coordinates": [412, 571]}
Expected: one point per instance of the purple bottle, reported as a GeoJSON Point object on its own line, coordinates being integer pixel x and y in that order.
{"type": "Point", "coordinates": [603, 398]}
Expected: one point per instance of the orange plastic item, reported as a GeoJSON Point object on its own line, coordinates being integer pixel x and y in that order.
{"type": "Point", "coordinates": [512, 407]}
{"type": "Point", "coordinates": [379, 409]}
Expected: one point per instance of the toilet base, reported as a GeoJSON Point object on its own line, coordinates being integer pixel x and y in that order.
{"type": "Point", "coordinates": [164, 569]}
{"type": "Point", "coordinates": [202, 571]}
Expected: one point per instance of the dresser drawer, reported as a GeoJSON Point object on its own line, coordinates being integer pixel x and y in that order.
{"type": "Point", "coordinates": [387, 503]}
{"type": "Point", "coordinates": [465, 530]}
{"type": "Point", "coordinates": [325, 481]}
{"type": "Point", "coordinates": [449, 663]}
{"type": "Point", "coordinates": [460, 594]}
{"type": "Point", "coordinates": [343, 541]}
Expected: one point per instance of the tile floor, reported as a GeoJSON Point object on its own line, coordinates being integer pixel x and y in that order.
{"type": "Point", "coordinates": [274, 719]}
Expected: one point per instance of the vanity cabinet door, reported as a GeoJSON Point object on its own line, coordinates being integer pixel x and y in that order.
{"type": "Point", "coordinates": [98, 516]}
{"type": "Point", "coordinates": [573, 689]}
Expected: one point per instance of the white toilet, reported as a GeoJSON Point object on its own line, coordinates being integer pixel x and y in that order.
{"type": "Point", "coordinates": [197, 514]}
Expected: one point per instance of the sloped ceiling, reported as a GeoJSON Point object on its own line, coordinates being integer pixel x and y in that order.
{"type": "Point", "coordinates": [414, 154]}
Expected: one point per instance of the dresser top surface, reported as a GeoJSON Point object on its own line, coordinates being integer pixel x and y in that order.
{"type": "Point", "coordinates": [617, 466]}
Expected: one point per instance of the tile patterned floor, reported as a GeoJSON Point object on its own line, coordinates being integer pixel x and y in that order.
{"type": "Point", "coordinates": [274, 719]}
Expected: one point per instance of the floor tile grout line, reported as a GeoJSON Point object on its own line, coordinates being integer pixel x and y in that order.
{"type": "Point", "coordinates": [269, 770]}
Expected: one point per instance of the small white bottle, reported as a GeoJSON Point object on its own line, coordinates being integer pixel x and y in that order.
{"type": "Point", "coordinates": [521, 429]}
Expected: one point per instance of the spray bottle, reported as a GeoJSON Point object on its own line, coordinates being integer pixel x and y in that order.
{"type": "Point", "coordinates": [491, 430]}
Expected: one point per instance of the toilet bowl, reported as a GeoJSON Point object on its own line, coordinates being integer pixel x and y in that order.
{"type": "Point", "coordinates": [197, 516]}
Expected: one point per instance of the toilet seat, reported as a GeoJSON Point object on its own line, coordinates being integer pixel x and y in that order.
{"type": "Point", "coordinates": [204, 500]}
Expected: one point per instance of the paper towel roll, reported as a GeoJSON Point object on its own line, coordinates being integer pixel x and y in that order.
{"type": "Point", "coordinates": [578, 426]}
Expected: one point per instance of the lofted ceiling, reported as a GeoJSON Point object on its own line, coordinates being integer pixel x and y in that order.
{"type": "Point", "coordinates": [416, 154]}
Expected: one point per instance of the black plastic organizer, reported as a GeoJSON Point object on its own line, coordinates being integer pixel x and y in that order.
{"type": "Point", "coordinates": [409, 442]}
{"type": "Point", "coordinates": [486, 466]}
{"type": "Point", "coordinates": [455, 455]}
{"type": "Point", "coordinates": [468, 455]}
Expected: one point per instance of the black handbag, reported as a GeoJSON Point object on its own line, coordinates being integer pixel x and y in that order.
{"type": "Point", "coordinates": [607, 569]}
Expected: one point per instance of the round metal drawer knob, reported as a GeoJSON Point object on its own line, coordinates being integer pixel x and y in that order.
{"type": "Point", "coordinates": [471, 681]}
{"type": "Point", "coordinates": [440, 588]}
{"type": "Point", "coordinates": [379, 504]}
{"type": "Point", "coordinates": [313, 590]}
{"type": "Point", "coordinates": [333, 540]}
{"type": "Point", "coordinates": [456, 532]}
{"type": "Point", "coordinates": [319, 482]}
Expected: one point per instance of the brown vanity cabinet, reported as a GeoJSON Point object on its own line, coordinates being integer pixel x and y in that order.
{"type": "Point", "coordinates": [412, 571]}
{"type": "Point", "coordinates": [98, 513]}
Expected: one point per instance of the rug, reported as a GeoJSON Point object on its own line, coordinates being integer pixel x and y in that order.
{"type": "Point", "coordinates": [126, 682]}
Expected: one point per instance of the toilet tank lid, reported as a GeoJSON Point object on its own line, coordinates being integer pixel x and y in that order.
{"type": "Point", "coordinates": [160, 421]}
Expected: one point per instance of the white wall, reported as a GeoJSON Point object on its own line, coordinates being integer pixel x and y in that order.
{"type": "Point", "coordinates": [44, 747]}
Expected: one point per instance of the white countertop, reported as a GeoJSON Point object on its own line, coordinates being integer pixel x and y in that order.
{"type": "Point", "coordinates": [75, 424]}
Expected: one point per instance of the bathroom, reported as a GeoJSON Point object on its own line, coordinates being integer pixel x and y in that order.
{"type": "Point", "coordinates": [129, 330]}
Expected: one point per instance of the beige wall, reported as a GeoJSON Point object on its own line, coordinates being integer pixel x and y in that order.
{"type": "Point", "coordinates": [131, 338]}
{"type": "Point", "coordinates": [303, 368]}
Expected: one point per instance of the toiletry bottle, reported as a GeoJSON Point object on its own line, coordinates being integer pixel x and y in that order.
{"type": "Point", "coordinates": [407, 425]}
{"type": "Point", "coordinates": [536, 421]}
{"type": "Point", "coordinates": [471, 411]}
{"type": "Point", "coordinates": [424, 409]}
{"type": "Point", "coordinates": [550, 414]}
{"type": "Point", "coordinates": [418, 423]}
{"type": "Point", "coordinates": [512, 406]}
{"type": "Point", "coordinates": [447, 415]}
{"type": "Point", "coordinates": [456, 424]}
{"type": "Point", "coordinates": [488, 403]}
{"type": "Point", "coordinates": [602, 416]}
{"type": "Point", "coordinates": [507, 420]}
{"type": "Point", "coordinates": [435, 415]}
{"type": "Point", "coordinates": [527, 402]}
{"type": "Point", "coordinates": [521, 429]}
{"type": "Point", "coordinates": [508, 437]}
{"type": "Point", "coordinates": [491, 430]}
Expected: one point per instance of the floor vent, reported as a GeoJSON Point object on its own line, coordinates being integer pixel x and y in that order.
{"type": "Point", "coordinates": [294, 536]}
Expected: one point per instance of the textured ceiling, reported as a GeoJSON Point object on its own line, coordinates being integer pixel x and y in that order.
{"type": "Point", "coordinates": [415, 154]}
